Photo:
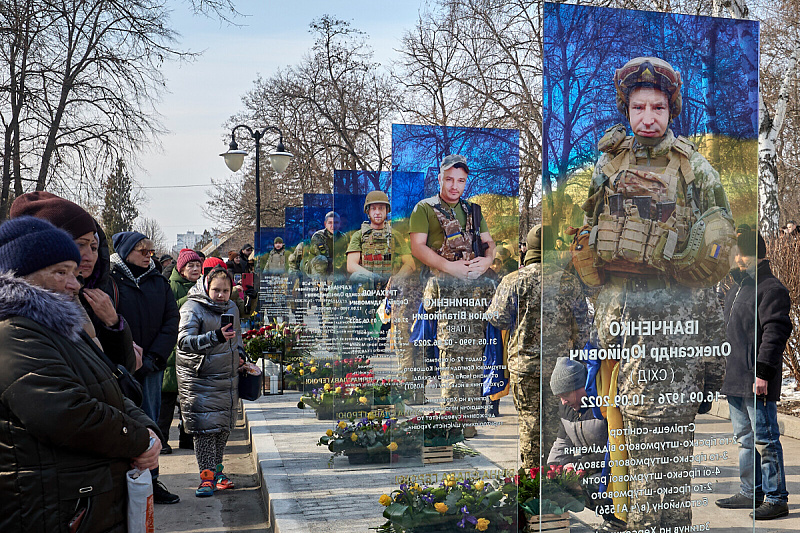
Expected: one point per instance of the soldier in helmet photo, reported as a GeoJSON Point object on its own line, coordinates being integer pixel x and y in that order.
{"type": "Point", "coordinates": [660, 237]}
{"type": "Point", "coordinates": [372, 256]}
{"type": "Point", "coordinates": [370, 252]}
{"type": "Point", "coordinates": [457, 248]}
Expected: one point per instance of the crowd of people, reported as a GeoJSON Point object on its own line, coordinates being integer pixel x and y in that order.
{"type": "Point", "coordinates": [111, 343]}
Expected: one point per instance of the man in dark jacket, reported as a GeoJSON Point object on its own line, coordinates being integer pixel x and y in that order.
{"type": "Point", "coordinates": [67, 433]}
{"type": "Point", "coordinates": [754, 368]}
{"type": "Point", "coordinates": [143, 296]}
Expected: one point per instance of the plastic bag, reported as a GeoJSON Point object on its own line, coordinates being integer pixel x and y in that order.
{"type": "Point", "coordinates": [140, 501]}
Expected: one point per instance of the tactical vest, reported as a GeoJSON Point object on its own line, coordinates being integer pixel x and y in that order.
{"type": "Point", "coordinates": [276, 261]}
{"type": "Point", "coordinates": [648, 220]}
{"type": "Point", "coordinates": [376, 249]}
{"type": "Point", "coordinates": [457, 243]}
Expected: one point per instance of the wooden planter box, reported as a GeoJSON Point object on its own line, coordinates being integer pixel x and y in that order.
{"type": "Point", "coordinates": [437, 454]}
{"type": "Point", "coordinates": [550, 523]}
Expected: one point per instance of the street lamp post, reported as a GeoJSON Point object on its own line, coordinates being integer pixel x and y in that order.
{"type": "Point", "coordinates": [279, 159]}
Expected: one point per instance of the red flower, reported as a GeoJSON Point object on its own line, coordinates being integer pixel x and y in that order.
{"type": "Point", "coordinates": [286, 331]}
{"type": "Point", "coordinates": [534, 472]}
{"type": "Point", "coordinates": [581, 472]}
{"type": "Point", "coordinates": [569, 468]}
{"type": "Point", "coordinates": [268, 327]}
{"type": "Point", "coordinates": [552, 474]}
{"type": "Point", "coordinates": [560, 468]}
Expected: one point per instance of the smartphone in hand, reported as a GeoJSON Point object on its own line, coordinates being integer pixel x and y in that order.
{"type": "Point", "coordinates": [227, 319]}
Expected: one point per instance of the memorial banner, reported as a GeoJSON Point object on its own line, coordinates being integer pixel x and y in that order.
{"type": "Point", "coordinates": [650, 174]}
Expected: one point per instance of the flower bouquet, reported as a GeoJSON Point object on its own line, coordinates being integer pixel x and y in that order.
{"type": "Point", "coordinates": [275, 337]}
{"type": "Point", "coordinates": [561, 490]}
{"type": "Point", "coordinates": [348, 400]}
{"type": "Point", "coordinates": [452, 506]}
{"type": "Point", "coordinates": [368, 440]}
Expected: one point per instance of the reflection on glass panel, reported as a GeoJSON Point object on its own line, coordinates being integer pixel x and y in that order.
{"type": "Point", "coordinates": [649, 165]}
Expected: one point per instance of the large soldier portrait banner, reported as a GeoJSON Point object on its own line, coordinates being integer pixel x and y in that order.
{"type": "Point", "coordinates": [649, 179]}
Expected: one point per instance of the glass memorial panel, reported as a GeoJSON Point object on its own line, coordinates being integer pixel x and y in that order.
{"type": "Point", "coordinates": [649, 183]}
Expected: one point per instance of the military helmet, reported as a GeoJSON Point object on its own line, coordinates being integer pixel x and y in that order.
{"type": "Point", "coordinates": [377, 197]}
{"type": "Point", "coordinates": [648, 72]}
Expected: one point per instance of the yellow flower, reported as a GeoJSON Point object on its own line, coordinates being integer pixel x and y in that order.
{"type": "Point", "coordinates": [478, 485]}
{"type": "Point", "coordinates": [342, 424]}
{"type": "Point", "coordinates": [439, 506]}
{"type": "Point", "coordinates": [363, 400]}
{"type": "Point", "coordinates": [384, 500]}
{"type": "Point", "coordinates": [329, 433]}
{"type": "Point", "coordinates": [313, 369]}
{"type": "Point", "coordinates": [327, 365]}
{"type": "Point", "coordinates": [301, 372]}
{"type": "Point", "coordinates": [353, 437]}
{"type": "Point", "coordinates": [450, 481]}
{"type": "Point", "coordinates": [311, 362]}
{"type": "Point", "coordinates": [327, 387]}
{"type": "Point", "coordinates": [482, 524]}
{"type": "Point", "coordinates": [337, 390]}
{"type": "Point", "coordinates": [416, 486]}
{"type": "Point", "coordinates": [371, 415]}
{"type": "Point", "coordinates": [393, 448]}
{"type": "Point", "coordinates": [301, 364]}
{"type": "Point", "coordinates": [288, 368]}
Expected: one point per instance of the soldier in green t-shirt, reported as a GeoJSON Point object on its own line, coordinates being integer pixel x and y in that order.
{"type": "Point", "coordinates": [442, 233]}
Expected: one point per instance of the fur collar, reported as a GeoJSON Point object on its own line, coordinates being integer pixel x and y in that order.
{"type": "Point", "coordinates": [50, 310]}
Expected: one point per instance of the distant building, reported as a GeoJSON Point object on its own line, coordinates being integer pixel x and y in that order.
{"type": "Point", "coordinates": [187, 240]}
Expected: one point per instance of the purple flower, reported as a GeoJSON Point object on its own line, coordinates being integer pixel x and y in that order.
{"type": "Point", "coordinates": [427, 498]}
{"type": "Point", "coordinates": [403, 487]}
{"type": "Point", "coordinates": [466, 517]}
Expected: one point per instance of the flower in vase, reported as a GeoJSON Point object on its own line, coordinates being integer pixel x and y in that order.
{"type": "Point", "coordinates": [440, 507]}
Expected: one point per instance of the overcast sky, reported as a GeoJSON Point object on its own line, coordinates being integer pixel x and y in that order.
{"type": "Point", "coordinates": [205, 93]}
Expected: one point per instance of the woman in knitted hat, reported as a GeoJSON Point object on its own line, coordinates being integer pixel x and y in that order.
{"type": "Point", "coordinates": [102, 323]}
{"type": "Point", "coordinates": [187, 271]}
{"type": "Point", "coordinates": [66, 462]}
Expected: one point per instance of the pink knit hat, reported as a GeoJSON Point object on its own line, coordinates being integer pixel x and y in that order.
{"type": "Point", "coordinates": [187, 255]}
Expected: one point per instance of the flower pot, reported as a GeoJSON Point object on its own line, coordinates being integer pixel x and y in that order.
{"type": "Point", "coordinates": [550, 523]}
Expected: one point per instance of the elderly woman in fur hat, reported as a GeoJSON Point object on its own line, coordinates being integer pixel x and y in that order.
{"type": "Point", "coordinates": [67, 433]}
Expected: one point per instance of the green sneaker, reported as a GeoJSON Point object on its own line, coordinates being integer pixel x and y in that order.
{"type": "Point", "coordinates": [206, 487]}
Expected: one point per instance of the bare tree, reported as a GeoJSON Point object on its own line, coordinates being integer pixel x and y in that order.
{"type": "Point", "coordinates": [334, 109]}
{"type": "Point", "coordinates": [151, 228]}
{"type": "Point", "coordinates": [78, 86]}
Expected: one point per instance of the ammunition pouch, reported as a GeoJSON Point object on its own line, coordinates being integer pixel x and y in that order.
{"type": "Point", "coordinates": [633, 239]}
{"type": "Point", "coordinates": [583, 257]}
{"type": "Point", "coordinates": [706, 258]}
{"type": "Point", "coordinates": [609, 229]}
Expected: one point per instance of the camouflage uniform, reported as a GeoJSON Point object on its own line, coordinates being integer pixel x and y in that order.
{"type": "Point", "coordinates": [295, 280]}
{"type": "Point", "coordinates": [405, 299]}
{"type": "Point", "coordinates": [631, 298]}
{"type": "Point", "coordinates": [562, 294]}
{"type": "Point", "coordinates": [516, 307]}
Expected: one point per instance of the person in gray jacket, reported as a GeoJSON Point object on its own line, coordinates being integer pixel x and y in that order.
{"type": "Point", "coordinates": [582, 436]}
{"type": "Point", "coordinates": [207, 362]}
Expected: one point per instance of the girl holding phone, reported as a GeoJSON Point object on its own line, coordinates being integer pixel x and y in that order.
{"type": "Point", "coordinates": [210, 352]}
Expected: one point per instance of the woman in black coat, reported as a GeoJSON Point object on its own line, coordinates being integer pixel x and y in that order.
{"type": "Point", "coordinates": [65, 462]}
